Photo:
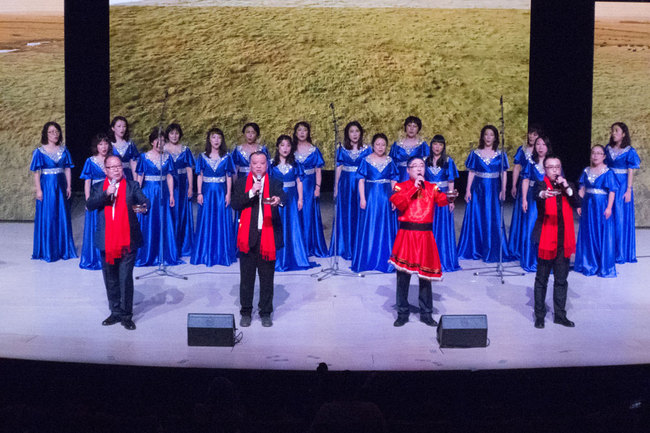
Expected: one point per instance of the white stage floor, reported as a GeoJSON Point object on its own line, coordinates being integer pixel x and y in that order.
{"type": "Point", "coordinates": [53, 311]}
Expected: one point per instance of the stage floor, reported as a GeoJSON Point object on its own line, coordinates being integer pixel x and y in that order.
{"type": "Point", "coordinates": [53, 311]}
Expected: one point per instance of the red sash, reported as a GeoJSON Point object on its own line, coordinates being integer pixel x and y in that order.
{"type": "Point", "coordinates": [267, 243]}
{"type": "Point", "coordinates": [117, 236]}
{"type": "Point", "coordinates": [548, 239]}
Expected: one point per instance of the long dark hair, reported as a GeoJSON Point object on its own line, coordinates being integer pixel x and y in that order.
{"type": "Point", "coordinates": [111, 133]}
{"type": "Point", "coordinates": [44, 132]}
{"type": "Point", "coordinates": [255, 127]}
{"type": "Point", "coordinates": [171, 127]}
{"type": "Point", "coordinates": [481, 141]}
{"type": "Point", "coordinates": [291, 158]}
{"type": "Point", "coordinates": [98, 139]}
{"type": "Point", "coordinates": [442, 161]}
{"type": "Point", "coordinates": [295, 128]}
{"type": "Point", "coordinates": [346, 136]}
{"type": "Point", "coordinates": [155, 133]}
{"type": "Point", "coordinates": [626, 141]}
{"type": "Point", "coordinates": [208, 146]}
{"type": "Point", "coordinates": [549, 149]}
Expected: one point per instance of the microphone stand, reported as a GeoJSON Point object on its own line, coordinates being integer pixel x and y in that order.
{"type": "Point", "coordinates": [500, 271]}
{"type": "Point", "coordinates": [162, 270]}
{"type": "Point", "coordinates": [333, 269]}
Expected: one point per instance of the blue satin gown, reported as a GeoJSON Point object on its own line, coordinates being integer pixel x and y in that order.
{"type": "Point", "coordinates": [183, 216]}
{"type": "Point", "coordinates": [482, 232]}
{"type": "Point", "coordinates": [444, 230]}
{"type": "Point", "coordinates": [347, 201]}
{"type": "Point", "coordinates": [127, 153]}
{"type": "Point", "coordinates": [52, 227]}
{"type": "Point", "coordinates": [311, 216]}
{"type": "Point", "coordinates": [241, 159]}
{"type": "Point", "coordinates": [620, 161]}
{"type": "Point", "coordinates": [90, 256]}
{"type": "Point", "coordinates": [377, 222]}
{"type": "Point", "coordinates": [596, 248]}
{"type": "Point", "coordinates": [293, 257]}
{"type": "Point", "coordinates": [517, 236]}
{"type": "Point", "coordinates": [214, 241]}
{"type": "Point", "coordinates": [149, 253]}
{"type": "Point", "coordinates": [528, 257]}
{"type": "Point", "coordinates": [400, 155]}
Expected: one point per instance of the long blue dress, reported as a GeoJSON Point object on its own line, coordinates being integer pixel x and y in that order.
{"type": "Point", "coordinates": [149, 253]}
{"type": "Point", "coordinates": [517, 237]}
{"type": "Point", "coordinates": [241, 159]}
{"type": "Point", "coordinates": [620, 161]}
{"type": "Point", "coordinates": [378, 225]}
{"type": "Point", "coordinates": [182, 211]}
{"type": "Point", "coordinates": [528, 258]}
{"type": "Point", "coordinates": [127, 153]}
{"type": "Point", "coordinates": [90, 256]}
{"type": "Point", "coordinates": [482, 232]}
{"type": "Point", "coordinates": [400, 155]}
{"type": "Point", "coordinates": [311, 216]}
{"type": "Point", "coordinates": [347, 201]}
{"type": "Point", "coordinates": [444, 230]}
{"type": "Point", "coordinates": [596, 248]}
{"type": "Point", "coordinates": [293, 256]}
{"type": "Point", "coordinates": [214, 241]}
{"type": "Point", "coordinates": [52, 227]}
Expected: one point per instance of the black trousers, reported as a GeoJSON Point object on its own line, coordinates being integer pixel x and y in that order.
{"type": "Point", "coordinates": [118, 279]}
{"type": "Point", "coordinates": [249, 265]}
{"type": "Point", "coordinates": [425, 297]}
{"type": "Point", "coordinates": [560, 267]}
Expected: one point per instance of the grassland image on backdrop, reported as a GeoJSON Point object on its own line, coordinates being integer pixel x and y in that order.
{"type": "Point", "coordinates": [31, 93]}
{"type": "Point", "coordinates": [378, 61]}
{"type": "Point", "coordinates": [622, 86]}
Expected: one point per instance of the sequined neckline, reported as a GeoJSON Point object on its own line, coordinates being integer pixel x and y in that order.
{"type": "Point", "coordinates": [380, 166]}
{"type": "Point", "coordinates": [156, 160]}
{"type": "Point", "coordinates": [245, 154]}
{"type": "Point", "coordinates": [176, 155]}
{"type": "Point", "coordinates": [98, 163]}
{"type": "Point", "coordinates": [409, 149]}
{"type": "Point", "coordinates": [121, 148]}
{"type": "Point", "coordinates": [593, 176]}
{"type": "Point", "coordinates": [434, 169]}
{"type": "Point", "coordinates": [354, 154]}
{"type": "Point", "coordinates": [54, 156]}
{"type": "Point", "coordinates": [540, 168]}
{"type": "Point", "coordinates": [487, 161]}
{"type": "Point", "coordinates": [213, 163]}
{"type": "Point", "coordinates": [284, 168]}
{"type": "Point", "coordinates": [302, 157]}
{"type": "Point", "coordinates": [614, 154]}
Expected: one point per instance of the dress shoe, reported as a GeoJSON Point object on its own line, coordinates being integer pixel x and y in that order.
{"type": "Point", "coordinates": [428, 320]}
{"type": "Point", "coordinates": [400, 321]}
{"type": "Point", "coordinates": [266, 321]}
{"type": "Point", "coordinates": [128, 324]}
{"type": "Point", "coordinates": [564, 322]}
{"type": "Point", "coordinates": [539, 323]}
{"type": "Point", "coordinates": [245, 321]}
{"type": "Point", "coordinates": [111, 320]}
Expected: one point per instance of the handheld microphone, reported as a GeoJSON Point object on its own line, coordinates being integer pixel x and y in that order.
{"type": "Point", "coordinates": [112, 182]}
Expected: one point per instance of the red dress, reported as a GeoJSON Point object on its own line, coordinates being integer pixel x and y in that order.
{"type": "Point", "coordinates": [415, 250]}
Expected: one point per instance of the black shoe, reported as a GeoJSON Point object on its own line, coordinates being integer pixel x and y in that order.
{"type": "Point", "coordinates": [266, 321]}
{"type": "Point", "coordinates": [128, 324]}
{"type": "Point", "coordinates": [400, 321]}
{"type": "Point", "coordinates": [539, 323]}
{"type": "Point", "coordinates": [564, 322]}
{"type": "Point", "coordinates": [245, 321]}
{"type": "Point", "coordinates": [111, 320]}
{"type": "Point", "coordinates": [428, 320]}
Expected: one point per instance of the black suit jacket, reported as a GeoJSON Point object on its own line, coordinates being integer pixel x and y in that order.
{"type": "Point", "coordinates": [574, 200]}
{"type": "Point", "coordinates": [98, 199]}
{"type": "Point", "coordinates": [240, 201]}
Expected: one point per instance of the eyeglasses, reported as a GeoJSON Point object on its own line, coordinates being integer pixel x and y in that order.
{"type": "Point", "coordinates": [416, 166]}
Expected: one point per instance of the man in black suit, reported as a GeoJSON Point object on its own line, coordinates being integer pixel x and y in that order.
{"type": "Point", "coordinates": [257, 196]}
{"type": "Point", "coordinates": [555, 235]}
{"type": "Point", "coordinates": [118, 237]}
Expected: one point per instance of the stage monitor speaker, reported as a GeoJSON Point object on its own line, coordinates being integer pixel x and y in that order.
{"type": "Point", "coordinates": [210, 329]}
{"type": "Point", "coordinates": [457, 330]}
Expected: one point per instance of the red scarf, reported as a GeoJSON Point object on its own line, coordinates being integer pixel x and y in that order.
{"type": "Point", "coordinates": [548, 239]}
{"type": "Point", "coordinates": [267, 243]}
{"type": "Point", "coordinates": [118, 232]}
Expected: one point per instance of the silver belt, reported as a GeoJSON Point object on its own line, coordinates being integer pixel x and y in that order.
{"type": "Point", "coordinates": [595, 191]}
{"type": "Point", "coordinates": [310, 171]}
{"type": "Point", "coordinates": [214, 179]}
{"type": "Point", "coordinates": [486, 175]}
{"type": "Point", "coordinates": [51, 171]}
{"type": "Point", "coordinates": [442, 184]}
{"type": "Point", "coordinates": [619, 170]}
{"type": "Point", "coordinates": [182, 170]}
{"type": "Point", "coordinates": [350, 168]}
{"type": "Point", "coordinates": [402, 164]}
{"type": "Point", "coordinates": [531, 182]}
{"type": "Point", "coordinates": [244, 169]}
{"type": "Point", "coordinates": [126, 164]}
{"type": "Point", "coordinates": [289, 184]}
{"type": "Point", "coordinates": [97, 181]}
{"type": "Point", "coordinates": [154, 178]}
{"type": "Point", "coordinates": [378, 181]}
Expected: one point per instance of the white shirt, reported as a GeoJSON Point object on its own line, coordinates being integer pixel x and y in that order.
{"type": "Point", "coordinates": [251, 194]}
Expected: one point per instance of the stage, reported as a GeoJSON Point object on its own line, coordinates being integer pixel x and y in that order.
{"type": "Point", "coordinates": [53, 311]}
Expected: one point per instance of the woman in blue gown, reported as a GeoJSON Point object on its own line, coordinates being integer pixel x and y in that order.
{"type": "Point", "coordinates": [293, 256]}
{"type": "Point", "coordinates": [533, 172]}
{"type": "Point", "coordinates": [51, 164]}
{"type": "Point", "coordinates": [409, 146]}
{"type": "Point", "coordinates": [595, 248]}
{"type": "Point", "coordinates": [442, 171]}
{"type": "Point", "coordinates": [311, 160]}
{"type": "Point", "coordinates": [241, 154]}
{"type": "Point", "coordinates": [623, 160]}
{"type": "Point", "coordinates": [150, 171]}
{"type": "Point", "coordinates": [92, 173]}
{"type": "Point", "coordinates": [377, 218]}
{"type": "Point", "coordinates": [183, 188]}
{"type": "Point", "coordinates": [346, 190]}
{"type": "Point", "coordinates": [214, 241]}
{"type": "Point", "coordinates": [123, 146]}
{"type": "Point", "coordinates": [483, 234]}
{"type": "Point", "coordinates": [522, 158]}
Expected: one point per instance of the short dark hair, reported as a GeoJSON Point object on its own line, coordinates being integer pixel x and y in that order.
{"type": "Point", "coordinates": [98, 139]}
{"type": "Point", "coordinates": [551, 156]}
{"type": "Point", "coordinates": [44, 132]}
{"type": "Point", "coordinates": [253, 125]}
{"type": "Point", "coordinates": [377, 136]}
{"type": "Point", "coordinates": [208, 146]}
{"type": "Point", "coordinates": [258, 152]}
{"type": "Point", "coordinates": [155, 133]}
{"type": "Point", "coordinates": [413, 119]}
{"type": "Point", "coordinates": [413, 158]}
{"type": "Point", "coordinates": [171, 127]}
